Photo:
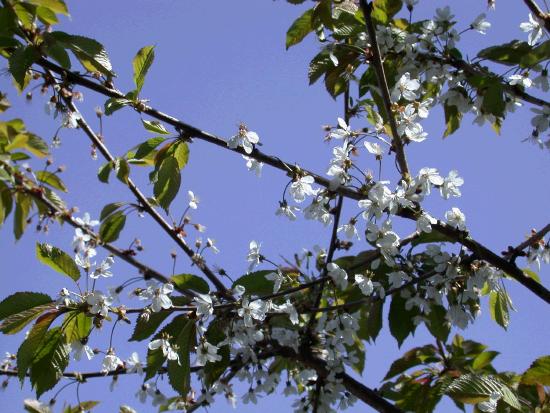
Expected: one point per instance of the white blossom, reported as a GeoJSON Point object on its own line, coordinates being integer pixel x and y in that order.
{"type": "Point", "coordinates": [277, 277]}
{"type": "Point", "coordinates": [203, 303]}
{"type": "Point", "coordinates": [193, 200]}
{"type": "Point", "coordinates": [207, 353]}
{"type": "Point", "coordinates": [133, 364]}
{"type": "Point", "coordinates": [520, 80]}
{"type": "Point", "coordinates": [286, 210]}
{"type": "Point", "coordinates": [166, 348]}
{"type": "Point", "coordinates": [86, 221]}
{"type": "Point", "coordinates": [365, 284]}
{"type": "Point", "coordinates": [253, 165]}
{"type": "Point", "coordinates": [534, 29]}
{"type": "Point", "coordinates": [99, 303]}
{"type": "Point", "coordinates": [110, 363]}
{"type": "Point", "coordinates": [405, 87]}
{"type": "Point", "coordinates": [456, 218]}
{"type": "Point", "coordinates": [103, 269]}
{"type": "Point", "coordinates": [481, 25]}
{"type": "Point", "coordinates": [80, 348]}
{"type": "Point", "coordinates": [338, 275]}
{"type": "Point", "coordinates": [490, 405]}
{"type": "Point", "coordinates": [254, 256]}
{"type": "Point", "coordinates": [244, 138]}
{"type": "Point", "coordinates": [301, 188]}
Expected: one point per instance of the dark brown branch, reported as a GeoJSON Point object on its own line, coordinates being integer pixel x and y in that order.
{"type": "Point", "coordinates": [147, 205]}
{"type": "Point", "coordinates": [397, 143]}
{"type": "Point", "coordinates": [514, 252]}
{"type": "Point", "coordinates": [359, 390]}
{"type": "Point", "coordinates": [477, 70]}
{"type": "Point", "coordinates": [537, 11]}
{"type": "Point", "coordinates": [455, 235]}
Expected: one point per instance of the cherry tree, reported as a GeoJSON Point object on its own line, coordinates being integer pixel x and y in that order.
{"type": "Point", "coordinates": [298, 326]}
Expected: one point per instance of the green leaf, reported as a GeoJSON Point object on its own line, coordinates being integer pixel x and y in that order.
{"type": "Point", "coordinates": [255, 283]}
{"type": "Point", "coordinates": [499, 306]}
{"type": "Point", "coordinates": [493, 100]}
{"type": "Point", "coordinates": [155, 127]}
{"type": "Point", "coordinates": [81, 407]}
{"type": "Point", "coordinates": [6, 202]}
{"type": "Point", "coordinates": [114, 104]}
{"type": "Point", "coordinates": [58, 260]}
{"type": "Point", "coordinates": [104, 172]}
{"type": "Point", "coordinates": [23, 204]}
{"type": "Point", "coordinates": [46, 16]}
{"type": "Point", "coordinates": [122, 170]}
{"type": "Point", "coordinates": [371, 320]}
{"type": "Point", "coordinates": [517, 53]}
{"type": "Point", "coordinates": [19, 62]}
{"type": "Point", "coordinates": [472, 389]}
{"type": "Point", "coordinates": [111, 227]}
{"type": "Point", "coordinates": [22, 301]}
{"type": "Point", "coordinates": [438, 324]}
{"type": "Point", "coordinates": [531, 274]}
{"type": "Point", "coordinates": [401, 319]}
{"type": "Point", "coordinates": [30, 142]}
{"type": "Point", "coordinates": [76, 326]}
{"type": "Point", "coordinates": [49, 362]}
{"type": "Point", "coordinates": [16, 322]}
{"type": "Point", "coordinates": [155, 358]}
{"type": "Point", "coordinates": [214, 335]}
{"type": "Point", "coordinates": [412, 358]}
{"type": "Point", "coordinates": [538, 372]}
{"type": "Point", "coordinates": [190, 282]}
{"type": "Point", "coordinates": [452, 119]}
{"type": "Point", "coordinates": [57, 6]}
{"type": "Point", "coordinates": [484, 359]}
{"type": "Point", "coordinates": [56, 51]}
{"type": "Point", "coordinates": [144, 329]}
{"type": "Point", "coordinates": [148, 147]}
{"type": "Point", "coordinates": [31, 344]}
{"type": "Point", "coordinates": [109, 209]}
{"type": "Point", "coordinates": [168, 182]}
{"type": "Point", "coordinates": [301, 27]}
{"type": "Point", "coordinates": [179, 374]}
{"type": "Point", "coordinates": [389, 7]}
{"type": "Point", "coordinates": [51, 179]}
{"type": "Point", "coordinates": [141, 64]}
{"type": "Point", "coordinates": [89, 52]}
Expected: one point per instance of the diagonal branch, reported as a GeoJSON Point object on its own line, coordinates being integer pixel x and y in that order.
{"type": "Point", "coordinates": [367, 9]}
{"type": "Point", "coordinates": [514, 252]}
{"type": "Point", "coordinates": [147, 205]}
{"type": "Point", "coordinates": [455, 235]}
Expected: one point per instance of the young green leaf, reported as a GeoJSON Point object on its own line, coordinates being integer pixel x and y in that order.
{"type": "Point", "coordinates": [538, 372]}
{"type": "Point", "coordinates": [58, 260]}
{"type": "Point", "coordinates": [179, 374]}
{"type": "Point", "coordinates": [23, 204]}
{"type": "Point", "coordinates": [49, 362]}
{"type": "Point", "coordinates": [20, 62]}
{"type": "Point", "coordinates": [111, 227]}
{"type": "Point", "coordinates": [104, 172]}
{"type": "Point", "coordinates": [499, 306]}
{"type": "Point", "coordinates": [145, 328]}
{"type": "Point", "coordinates": [168, 182]}
{"type": "Point", "coordinates": [190, 282]}
{"type": "Point", "coordinates": [109, 209]}
{"type": "Point", "coordinates": [122, 170]}
{"type": "Point", "coordinates": [301, 27]}
{"type": "Point", "coordinates": [57, 6]}
{"type": "Point", "coordinates": [155, 127]}
{"type": "Point", "coordinates": [255, 283]}
{"type": "Point", "coordinates": [51, 179]}
{"type": "Point", "coordinates": [401, 319]}
{"type": "Point", "coordinates": [141, 64]}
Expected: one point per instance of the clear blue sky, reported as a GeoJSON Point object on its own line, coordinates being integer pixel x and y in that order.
{"type": "Point", "coordinates": [219, 63]}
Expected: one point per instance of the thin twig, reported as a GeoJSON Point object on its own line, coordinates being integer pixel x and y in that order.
{"type": "Point", "coordinates": [383, 85]}
{"type": "Point", "coordinates": [537, 11]}
{"type": "Point", "coordinates": [514, 252]}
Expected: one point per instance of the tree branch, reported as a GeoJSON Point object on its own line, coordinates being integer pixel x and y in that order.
{"type": "Point", "coordinates": [536, 10]}
{"type": "Point", "coordinates": [514, 252]}
{"type": "Point", "coordinates": [453, 234]}
{"type": "Point", "coordinates": [383, 84]}
{"type": "Point", "coordinates": [142, 199]}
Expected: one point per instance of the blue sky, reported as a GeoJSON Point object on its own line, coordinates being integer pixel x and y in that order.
{"type": "Point", "coordinates": [220, 63]}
